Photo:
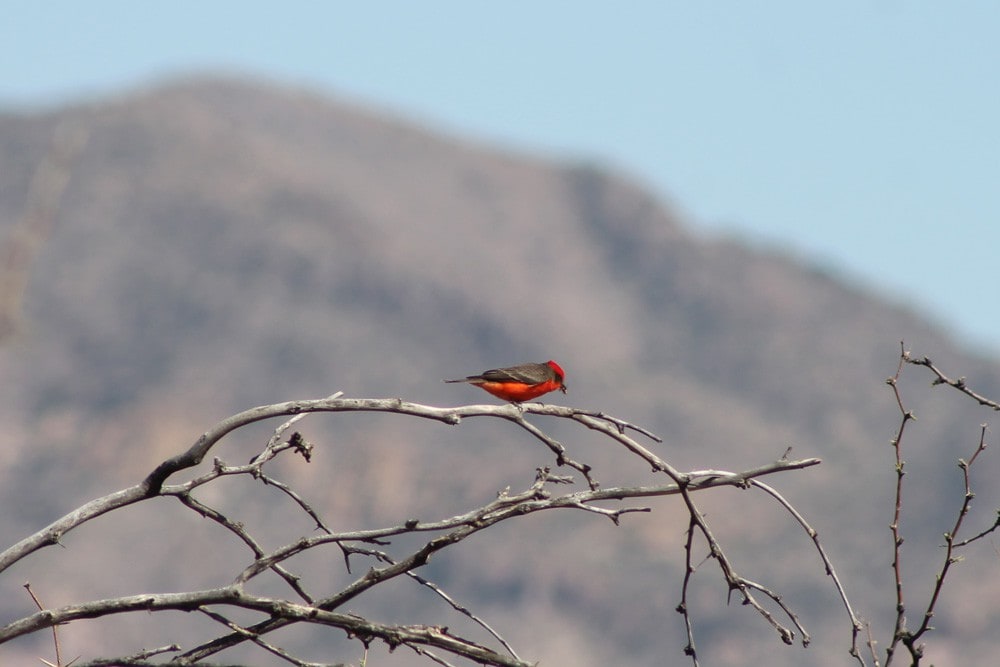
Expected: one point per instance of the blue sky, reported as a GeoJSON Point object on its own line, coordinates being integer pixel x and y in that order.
{"type": "Point", "coordinates": [861, 136]}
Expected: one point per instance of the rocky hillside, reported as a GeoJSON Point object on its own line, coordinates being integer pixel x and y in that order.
{"type": "Point", "coordinates": [221, 244]}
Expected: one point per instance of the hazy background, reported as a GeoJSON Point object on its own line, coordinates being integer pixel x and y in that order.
{"type": "Point", "coordinates": [861, 135]}
{"type": "Point", "coordinates": [391, 194]}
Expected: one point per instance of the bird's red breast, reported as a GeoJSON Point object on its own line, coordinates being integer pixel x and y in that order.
{"type": "Point", "coordinates": [520, 383]}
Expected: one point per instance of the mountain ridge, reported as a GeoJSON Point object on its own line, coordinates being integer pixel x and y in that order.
{"type": "Point", "coordinates": [225, 243]}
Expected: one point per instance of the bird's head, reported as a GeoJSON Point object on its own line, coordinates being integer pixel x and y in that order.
{"type": "Point", "coordinates": [560, 374]}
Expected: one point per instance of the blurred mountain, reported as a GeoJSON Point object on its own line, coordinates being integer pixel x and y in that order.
{"type": "Point", "coordinates": [222, 243]}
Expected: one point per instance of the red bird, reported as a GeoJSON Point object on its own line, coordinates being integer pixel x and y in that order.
{"type": "Point", "coordinates": [520, 383]}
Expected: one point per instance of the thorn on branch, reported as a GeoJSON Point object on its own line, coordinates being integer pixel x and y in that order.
{"type": "Point", "coordinates": [347, 557]}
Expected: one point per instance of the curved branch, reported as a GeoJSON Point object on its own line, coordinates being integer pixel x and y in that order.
{"type": "Point", "coordinates": [234, 596]}
{"type": "Point", "coordinates": [322, 608]}
{"type": "Point", "coordinates": [152, 485]}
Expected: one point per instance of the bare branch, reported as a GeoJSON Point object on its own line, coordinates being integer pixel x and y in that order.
{"type": "Point", "coordinates": [901, 634]}
{"type": "Point", "coordinates": [957, 384]}
{"type": "Point", "coordinates": [897, 538]}
{"type": "Point", "coordinates": [256, 639]}
{"type": "Point", "coordinates": [322, 608]}
{"type": "Point", "coordinates": [683, 608]}
{"type": "Point", "coordinates": [949, 538]}
{"type": "Point", "coordinates": [238, 529]}
{"type": "Point", "coordinates": [827, 563]}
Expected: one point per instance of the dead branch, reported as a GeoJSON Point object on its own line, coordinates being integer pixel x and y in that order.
{"type": "Point", "coordinates": [312, 607]}
{"type": "Point", "coordinates": [902, 635]}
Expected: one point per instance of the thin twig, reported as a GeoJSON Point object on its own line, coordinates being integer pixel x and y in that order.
{"type": "Point", "coordinates": [957, 384]}
{"type": "Point", "coordinates": [689, 649]}
{"type": "Point", "coordinates": [949, 558]}
{"type": "Point", "coordinates": [897, 538]}
{"type": "Point", "coordinates": [901, 634]}
{"type": "Point", "coordinates": [55, 631]}
{"type": "Point", "coordinates": [240, 531]}
{"type": "Point", "coordinates": [827, 563]}
{"type": "Point", "coordinates": [256, 639]}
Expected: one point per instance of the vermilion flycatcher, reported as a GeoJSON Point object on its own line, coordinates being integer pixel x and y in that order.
{"type": "Point", "coordinates": [520, 383]}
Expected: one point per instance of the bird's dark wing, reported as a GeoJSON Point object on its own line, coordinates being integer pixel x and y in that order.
{"type": "Point", "coordinates": [526, 373]}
